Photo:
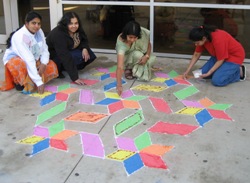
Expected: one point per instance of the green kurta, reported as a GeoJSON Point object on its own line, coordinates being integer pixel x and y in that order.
{"type": "Point", "coordinates": [134, 53]}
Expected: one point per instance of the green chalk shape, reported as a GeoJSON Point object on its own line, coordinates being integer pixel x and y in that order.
{"type": "Point", "coordinates": [221, 107]}
{"type": "Point", "coordinates": [51, 112]}
{"type": "Point", "coordinates": [56, 128]}
{"type": "Point", "coordinates": [173, 74]}
{"type": "Point", "coordinates": [186, 92]}
{"type": "Point", "coordinates": [63, 87]}
{"type": "Point", "coordinates": [136, 98]}
{"type": "Point", "coordinates": [143, 141]}
{"type": "Point", "coordinates": [128, 123]}
{"type": "Point", "coordinates": [112, 69]}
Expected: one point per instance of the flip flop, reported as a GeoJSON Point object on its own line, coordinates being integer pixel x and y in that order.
{"type": "Point", "coordinates": [129, 74]}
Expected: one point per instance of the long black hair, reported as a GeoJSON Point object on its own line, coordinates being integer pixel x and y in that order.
{"type": "Point", "coordinates": [29, 16]}
{"type": "Point", "coordinates": [131, 28]}
{"type": "Point", "coordinates": [197, 33]}
{"type": "Point", "coordinates": [66, 19]}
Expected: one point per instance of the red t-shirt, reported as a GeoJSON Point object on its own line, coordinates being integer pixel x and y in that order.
{"type": "Point", "coordinates": [224, 47]}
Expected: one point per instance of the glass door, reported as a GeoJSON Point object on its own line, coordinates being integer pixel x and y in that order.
{"type": "Point", "coordinates": [5, 19]}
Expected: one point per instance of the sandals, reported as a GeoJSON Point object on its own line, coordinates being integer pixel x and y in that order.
{"type": "Point", "coordinates": [129, 74]}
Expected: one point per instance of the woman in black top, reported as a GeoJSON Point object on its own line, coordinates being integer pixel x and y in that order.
{"type": "Point", "coordinates": [68, 47]}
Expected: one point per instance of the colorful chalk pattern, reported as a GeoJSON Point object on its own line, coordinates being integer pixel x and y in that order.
{"type": "Point", "coordinates": [134, 153]}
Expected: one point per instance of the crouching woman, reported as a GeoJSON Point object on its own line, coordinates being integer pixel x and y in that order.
{"type": "Point", "coordinates": [26, 60]}
{"type": "Point", "coordinates": [133, 49]}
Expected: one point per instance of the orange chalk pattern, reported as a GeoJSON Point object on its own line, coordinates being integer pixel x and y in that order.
{"type": "Point", "coordinates": [86, 117]}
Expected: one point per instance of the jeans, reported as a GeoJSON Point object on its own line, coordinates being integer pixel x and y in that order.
{"type": "Point", "coordinates": [227, 73]}
{"type": "Point", "coordinates": [78, 60]}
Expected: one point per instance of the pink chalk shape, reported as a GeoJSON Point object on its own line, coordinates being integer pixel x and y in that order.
{"type": "Point", "coordinates": [127, 94]}
{"type": "Point", "coordinates": [218, 114]}
{"type": "Point", "coordinates": [86, 97]}
{"type": "Point", "coordinates": [114, 107]}
{"type": "Point", "coordinates": [92, 145]}
{"type": "Point", "coordinates": [103, 70]}
{"type": "Point", "coordinates": [90, 81]}
{"type": "Point", "coordinates": [153, 161]}
{"type": "Point", "coordinates": [160, 105]}
{"type": "Point", "coordinates": [126, 144]}
{"type": "Point", "coordinates": [161, 75]}
{"type": "Point", "coordinates": [169, 128]}
{"type": "Point", "coordinates": [62, 96]}
{"type": "Point", "coordinates": [58, 144]}
{"type": "Point", "coordinates": [189, 103]}
{"type": "Point", "coordinates": [41, 131]}
{"type": "Point", "coordinates": [51, 88]}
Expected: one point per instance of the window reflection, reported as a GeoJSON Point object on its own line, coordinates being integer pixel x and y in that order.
{"type": "Point", "coordinates": [171, 28]}
{"type": "Point", "coordinates": [113, 19]}
{"type": "Point", "coordinates": [185, 18]}
{"type": "Point", "coordinates": [102, 24]}
{"type": "Point", "coordinates": [220, 18]}
{"type": "Point", "coordinates": [164, 24]}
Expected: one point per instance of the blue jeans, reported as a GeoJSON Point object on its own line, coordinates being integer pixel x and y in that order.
{"type": "Point", "coordinates": [78, 60]}
{"type": "Point", "coordinates": [227, 73]}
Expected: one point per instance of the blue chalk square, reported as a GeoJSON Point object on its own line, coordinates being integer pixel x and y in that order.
{"type": "Point", "coordinates": [133, 163]}
{"type": "Point", "coordinates": [170, 82]}
{"type": "Point", "coordinates": [112, 85]}
{"type": "Point", "coordinates": [42, 145]}
{"type": "Point", "coordinates": [203, 117]}
{"type": "Point", "coordinates": [48, 99]}
{"type": "Point", "coordinates": [107, 101]}
{"type": "Point", "coordinates": [105, 76]}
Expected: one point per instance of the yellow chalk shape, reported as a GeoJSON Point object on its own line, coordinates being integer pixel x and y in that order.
{"type": "Point", "coordinates": [112, 95]}
{"type": "Point", "coordinates": [31, 140]}
{"type": "Point", "coordinates": [189, 111]}
{"type": "Point", "coordinates": [120, 155]}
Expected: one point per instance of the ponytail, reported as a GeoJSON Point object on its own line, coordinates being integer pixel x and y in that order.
{"type": "Point", "coordinates": [8, 41]}
{"type": "Point", "coordinates": [197, 33]}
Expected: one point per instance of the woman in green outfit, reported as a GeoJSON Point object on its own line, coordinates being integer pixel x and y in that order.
{"type": "Point", "coordinates": [133, 49]}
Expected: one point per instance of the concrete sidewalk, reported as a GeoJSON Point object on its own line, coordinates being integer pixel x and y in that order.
{"type": "Point", "coordinates": [186, 133]}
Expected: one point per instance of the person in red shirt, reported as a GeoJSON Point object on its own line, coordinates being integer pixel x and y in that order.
{"type": "Point", "coordinates": [227, 55]}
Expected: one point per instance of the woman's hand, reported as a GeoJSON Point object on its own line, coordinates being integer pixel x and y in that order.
{"type": "Point", "coordinates": [205, 75]}
{"type": "Point", "coordinates": [185, 75]}
{"type": "Point", "coordinates": [85, 55]}
{"type": "Point", "coordinates": [143, 60]}
{"type": "Point", "coordinates": [119, 90]}
{"type": "Point", "coordinates": [40, 89]}
{"type": "Point", "coordinates": [41, 69]}
{"type": "Point", "coordinates": [79, 82]}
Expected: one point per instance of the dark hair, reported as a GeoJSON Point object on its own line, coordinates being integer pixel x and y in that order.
{"type": "Point", "coordinates": [197, 33]}
{"type": "Point", "coordinates": [66, 19]}
{"type": "Point", "coordinates": [29, 16]}
{"type": "Point", "coordinates": [131, 28]}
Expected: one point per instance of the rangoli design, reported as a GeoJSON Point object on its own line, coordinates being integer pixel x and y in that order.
{"type": "Point", "coordinates": [134, 153]}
